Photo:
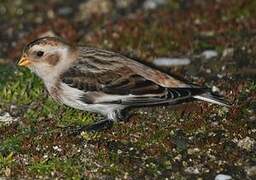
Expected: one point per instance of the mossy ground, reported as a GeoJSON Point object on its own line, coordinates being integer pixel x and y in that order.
{"type": "Point", "coordinates": [187, 141]}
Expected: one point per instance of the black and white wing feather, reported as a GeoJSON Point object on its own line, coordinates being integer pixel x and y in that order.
{"type": "Point", "coordinates": [107, 77]}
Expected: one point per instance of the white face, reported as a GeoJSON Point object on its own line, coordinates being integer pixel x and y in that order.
{"type": "Point", "coordinates": [46, 54]}
{"type": "Point", "coordinates": [44, 58]}
{"type": "Point", "coordinates": [48, 57]}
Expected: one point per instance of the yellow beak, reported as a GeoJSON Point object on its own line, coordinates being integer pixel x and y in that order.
{"type": "Point", "coordinates": [24, 61]}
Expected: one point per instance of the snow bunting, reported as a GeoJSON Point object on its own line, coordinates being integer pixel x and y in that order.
{"type": "Point", "coordinates": [105, 82]}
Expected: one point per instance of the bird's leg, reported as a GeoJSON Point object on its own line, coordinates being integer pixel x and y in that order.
{"type": "Point", "coordinates": [100, 125]}
{"type": "Point", "coordinates": [97, 126]}
{"type": "Point", "coordinates": [107, 123]}
{"type": "Point", "coordinates": [103, 124]}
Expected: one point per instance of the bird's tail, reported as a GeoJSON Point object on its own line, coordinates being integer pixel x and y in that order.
{"type": "Point", "coordinates": [212, 98]}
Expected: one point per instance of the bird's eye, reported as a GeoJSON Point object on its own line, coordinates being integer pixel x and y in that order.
{"type": "Point", "coordinates": [40, 53]}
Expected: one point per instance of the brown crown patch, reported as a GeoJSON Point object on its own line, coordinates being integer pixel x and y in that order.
{"type": "Point", "coordinates": [51, 41]}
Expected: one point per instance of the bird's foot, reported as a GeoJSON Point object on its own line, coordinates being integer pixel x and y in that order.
{"type": "Point", "coordinates": [100, 125]}
{"type": "Point", "coordinates": [95, 127]}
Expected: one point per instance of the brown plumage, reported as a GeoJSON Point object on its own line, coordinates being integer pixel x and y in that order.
{"type": "Point", "coordinates": [102, 81]}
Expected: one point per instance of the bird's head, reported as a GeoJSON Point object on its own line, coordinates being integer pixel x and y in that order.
{"type": "Point", "coordinates": [46, 55]}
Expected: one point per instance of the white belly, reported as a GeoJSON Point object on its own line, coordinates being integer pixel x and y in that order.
{"type": "Point", "coordinates": [72, 97]}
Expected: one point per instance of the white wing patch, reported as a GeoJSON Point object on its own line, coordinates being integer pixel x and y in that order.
{"type": "Point", "coordinates": [71, 97]}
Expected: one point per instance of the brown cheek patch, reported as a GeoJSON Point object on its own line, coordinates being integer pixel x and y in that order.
{"type": "Point", "coordinates": [53, 59]}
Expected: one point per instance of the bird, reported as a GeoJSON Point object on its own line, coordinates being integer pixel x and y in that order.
{"type": "Point", "coordinates": [105, 82]}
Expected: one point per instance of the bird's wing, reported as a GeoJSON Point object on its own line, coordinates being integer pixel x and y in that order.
{"type": "Point", "coordinates": [107, 77]}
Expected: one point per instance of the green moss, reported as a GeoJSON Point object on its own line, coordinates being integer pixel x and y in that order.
{"type": "Point", "coordinates": [54, 167]}
{"type": "Point", "coordinates": [152, 145]}
{"type": "Point", "coordinates": [10, 144]}
{"type": "Point", "coordinates": [172, 5]}
{"type": "Point", "coordinates": [245, 10]}
{"type": "Point", "coordinates": [252, 86]}
{"type": "Point", "coordinates": [21, 88]}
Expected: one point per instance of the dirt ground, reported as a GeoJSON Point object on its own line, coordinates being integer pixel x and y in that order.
{"type": "Point", "coordinates": [195, 140]}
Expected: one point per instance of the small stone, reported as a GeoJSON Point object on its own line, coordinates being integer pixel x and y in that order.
{"type": "Point", "coordinates": [192, 170]}
{"type": "Point", "coordinates": [7, 172]}
{"type": "Point", "coordinates": [15, 111]}
{"type": "Point", "coordinates": [65, 10]}
{"type": "Point", "coordinates": [198, 21]}
{"type": "Point", "coordinates": [209, 71]}
{"type": "Point", "coordinates": [247, 143]}
{"type": "Point", "coordinates": [223, 177]}
{"type": "Point", "coordinates": [6, 118]}
{"type": "Point", "coordinates": [193, 150]}
{"type": "Point", "coordinates": [220, 76]}
{"type": "Point", "coordinates": [167, 62]}
{"type": "Point", "coordinates": [252, 118]}
{"type": "Point", "coordinates": [124, 3]}
{"type": "Point", "coordinates": [153, 4]}
{"type": "Point", "coordinates": [126, 175]}
{"type": "Point", "coordinates": [208, 33]}
{"type": "Point", "coordinates": [178, 157]}
{"type": "Point", "coordinates": [209, 54]}
{"type": "Point", "coordinates": [57, 148]}
{"type": "Point", "coordinates": [227, 52]}
{"type": "Point", "coordinates": [94, 7]}
{"type": "Point", "coordinates": [251, 171]}
{"type": "Point", "coordinates": [215, 89]}
{"type": "Point", "coordinates": [50, 14]}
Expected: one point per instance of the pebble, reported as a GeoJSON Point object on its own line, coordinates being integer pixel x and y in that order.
{"type": "Point", "coordinates": [247, 143]}
{"type": "Point", "coordinates": [220, 76]}
{"type": "Point", "coordinates": [171, 61]}
{"type": "Point", "coordinates": [209, 71]}
{"type": "Point", "coordinates": [223, 177]}
{"type": "Point", "coordinates": [215, 89]}
{"type": "Point", "coordinates": [193, 151]}
{"type": "Point", "coordinates": [7, 119]}
{"type": "Point", "coordinates": [252, 118]}
{"type": "Point", "coordinates": [209, 54]}
{"type": "Point", "coordinates": [7, 172]}
{"type": "Point", "coordinates": [65, 11]}
{"type": "Point", "coordinates": [251, 171]}
{"type": "Point", "coordinates": [227, 52]}
{"type": "Point", "coordinates": [94, 7]}
{"type": "Point", "coordinates": [124, 3]}
{"type": "Point", "coordinates": [57, 148]}
{"type": "Point", "coordinates": [153, 4]}
{"type": "Point", "coordinates": [192, 170]}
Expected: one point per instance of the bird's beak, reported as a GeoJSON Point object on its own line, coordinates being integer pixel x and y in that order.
{"type": "Point", "coordinates": [24, 61]}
